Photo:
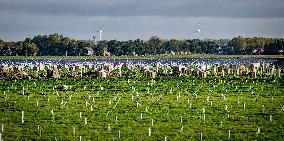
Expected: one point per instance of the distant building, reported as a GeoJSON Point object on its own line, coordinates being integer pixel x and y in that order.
{"type": "Point", "coordinates": [106, 53]}
{"type": "Point", "coordinates": [222, 49]}
{"type": "Point", "coordinates": [8, 52]}
{"type": "Point", "coordinates": [90, 51]}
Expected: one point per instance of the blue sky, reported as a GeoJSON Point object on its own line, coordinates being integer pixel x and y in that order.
{"type": "Point", "coordinates": [132, 19]}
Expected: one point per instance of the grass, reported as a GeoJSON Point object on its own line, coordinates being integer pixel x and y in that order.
{"type": "Point", "coordinates": [145, 57]}
{"type": "Point", "coordinates": [158, 101]}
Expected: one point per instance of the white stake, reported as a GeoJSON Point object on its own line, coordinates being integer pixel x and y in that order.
{"type": "Point", "coordinates": [190, 105]}
{"type": "Point", "coordinates": [152, 122]}
{"type": "Point", "coordinates": [0, 136]}
{"type": "Point", "coordinates": [165, 138]}
{"type": "Point", "coordinates": [108, 127]}
{"type": "Point", "coordinates": [229, 132]}
{"type": "Point", "coordinates": [226, 107]}
{"type": "Point", "coordinates": [200, 136]}
{"type": "Point", "coordinates": [52, 114]}
{"type": "Point", "coordinates": [208, 98]}
{"type": "Point", "coordinates": [221, 124]}
{"type": "Point", "coordinates": [91, 107]}
{"type": "Point", "coordinates": [177, 97]}
{"type": "Point", "coordinates": [141, 115]}
{"type": "Point", "coordinates": [223, 97]}
{"type": "Point", "coordinates": [116, 103]}
{"type": "Point", "coordinates": [270, 118]}
{"type": "Point", "coordinates": [149, 132]}
{"type": "Point", "coordinates": [2, 128]}
{"type": "Point", "coordinates": [74, 131]}
{"type": "Point", "coordinates": [37, 103]}
{"type": "Point", "coordinates": [263, 110]}
{"type": "Point", "coordinates": [4, 93]}
{"type": "Point", "coordinates": [181, 129]}
{"type": "Point", "coordinates": [85, 121]}
{"type": "Point", "coordinates": [15, 102]}
{"type": "Point", "coordinates": [132, 97]}
{"type": "Point", "coordinates": [244, 105]}
{"type": "Point", "coordinates": [80, 138]}
{"type": "Point", "coordinates": [118, 134]}
{"type": "Point", "coordinates": [22, 117]}
{"type": "Point", "coordinates": [116, 118]}
{"type": "Point", "coordinates": [180, 119]}
{"type": "Point", "coordinates": [211, 103]}
{"type": "Point", "coordinates": [258, 130]}
{"type": "Point", "coordinates": [80, 114]}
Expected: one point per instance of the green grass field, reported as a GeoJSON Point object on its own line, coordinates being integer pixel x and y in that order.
{"type": "Point", "coordinates": [127, 106]}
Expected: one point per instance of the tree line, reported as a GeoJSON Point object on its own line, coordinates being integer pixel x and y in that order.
{"type": "Point", "coordinates": [58, 45]}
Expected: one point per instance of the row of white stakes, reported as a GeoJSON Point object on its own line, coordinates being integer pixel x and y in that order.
{"type": "Point", "coordinates": [141, 116]}
{"type": "Point", "coordinates": [270, 117]}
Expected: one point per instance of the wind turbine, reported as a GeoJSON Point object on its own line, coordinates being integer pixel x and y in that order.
{"type": "Point", "coordinates": [94, 37]}
{"type": "Point", "coordinates": [100, 34]}
{"type": "Point", "coordinates": [198, 28]}
{"type": "Point", "coordinates": [100, 31]}
{"type": "Point", "coordinates": [198, 31]}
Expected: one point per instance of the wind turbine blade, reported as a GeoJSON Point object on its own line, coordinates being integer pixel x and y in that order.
{"type": "Point", "coordinates": [102, 25]}
{"type": "Point", "coordinates": [203, 36]}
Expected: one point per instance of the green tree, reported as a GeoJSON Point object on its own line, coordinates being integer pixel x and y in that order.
{"type": "Point", "coordinates": [114, 47]}
{"type": "Point", "coordinates": [29, 48]}
{"type": "Point", "coordinates": [100, 47]}
{"type": "Point", "coordinates": [9, 48]}
{"type": "Point", "coordinates": [1, 43]}
{"type": "Point", "coordinates": [83, 45]}
{"type": "Point", "coordinates": [238, 44]}
{"type": "Point", "coordinates": [154, 45]}
{"type": "Point", "coordinates": [140, 47]}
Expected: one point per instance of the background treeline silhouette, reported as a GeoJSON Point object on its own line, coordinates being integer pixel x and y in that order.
{"type": "Point", "coordinates": [58, 45]}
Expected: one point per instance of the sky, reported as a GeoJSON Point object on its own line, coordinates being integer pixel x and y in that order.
{"type": "Point", "coordinates": [133, 19]}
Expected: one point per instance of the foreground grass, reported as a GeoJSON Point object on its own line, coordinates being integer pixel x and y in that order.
{"type": "Point", "coordinates": [145, 57]}
{"type": "Point", "coordinates": [175, 104]}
